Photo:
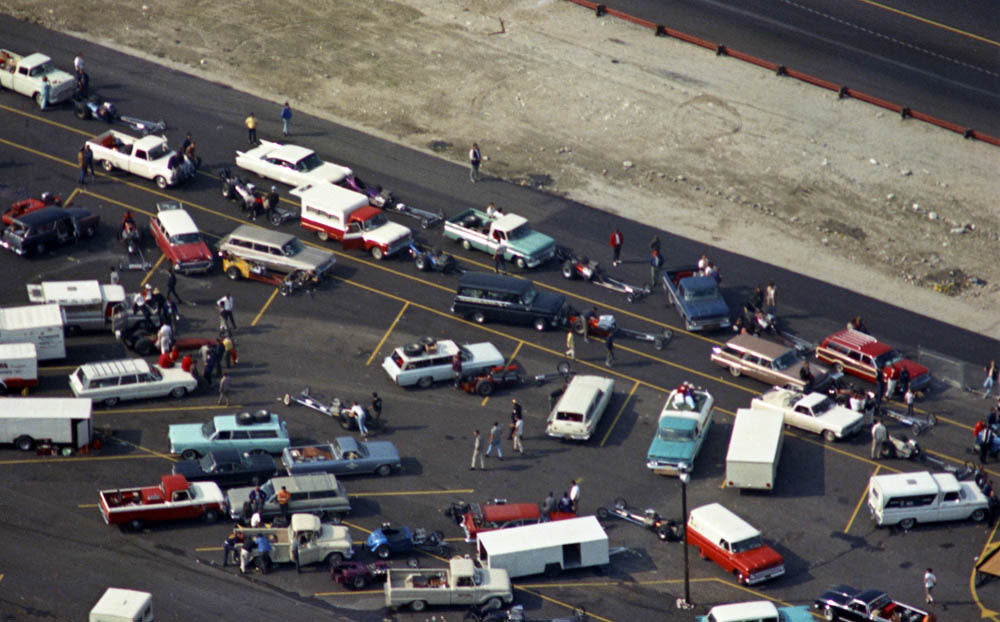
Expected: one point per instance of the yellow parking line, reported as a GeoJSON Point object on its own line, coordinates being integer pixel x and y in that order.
{"type": "Point", "coordinates": [88, 506]}
{"type": "Point", "coordinates": [152, 271]}
{"type": "Point", "coordinates": [78, 459]}
{"type": "Point", "coordinates": [509, 361]}
{"type": "Point", "coordinates": [857, 508]}
{"type": "Point", "coordinates": [72, 195]}
{"type": "Point", "coordinates": [264, 308]}
{"type": "Point", "coordinates": [35, 117]}
{"type": "Point", "coordinates": [620, 411]}
{"type": "Point", "coordinates": [57, 368]}
{"type": "Point", "coordinates": [985, 611]}
{"type": "Point", "coordinates": [387, 333]}
{"type": "Point", "coordinates": [403, 493]}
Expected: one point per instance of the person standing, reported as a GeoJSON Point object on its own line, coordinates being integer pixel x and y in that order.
{"type": "Point", "coordinates": [113, 277]}
{"type": "Point", "coordinates": [515, 410]}
{"type": "Point", "coordinates": [892, 377]}
{"type": "Point", "coordinates": [229, 353]}
{"type": "Point", "coordinates": [475, 159]}
{"type": "Point", "coordinates": [359, 415]}
{"type": "Point", "coordinates": [172, 285]}
{"type": "Point", "coordinates": [495, 441]}
{"type": "Point", "coordinates": [929, 582]}
{"type": "Point", "coordinates": [228, 547]}
{"type": "Point", "coordinates": [219, 349]}
{"type": "Point", "coordinates": [574, 494]}
{"type": "Point", "coordinates": [771, 298]}
{"type": "Point", "coordinates": [286, 118]}
{"type": "Point", "coordinates": [908, 399]}
{"type": "Point", "coordinates": [224, 388]}
{"type": "Point", "coordinates": [879, 434]}
{"type": "Point", "coordinates": [879, 390]}
{"type": "Point", "coordinates": [256, 499]}
{"type": "Point", "coordinates": [616, 240]}
{"type": "Point", "coordinates": [519, 434]}
{"type": "Point", "coordinates": [991, 377]}
{"type": "Point", "coordinates": [985, 443]}
{"type": "Point", "coordinates": [609, 344]}
{"type": "Point", "coordinates": [456, 366]}
{"type": "Point", "coordinates": [78, 63]}
{"type": "Point", "coordinates": [655, 265]}
{"type": "Point", "coordinates": [251, 123]}
{"type": "Point", "coordinates": [547, 506]}
{"type": "Point", "coordinates": [283, 498]}
{"type": "Point", "coordinates": [226, 310]}
{"type": "Point", "coordinates": [81, 162]}
{"type": "Point", "coordinates": [165, 338]}
{"type": "Point", "coordinates": [477, 451]}
{"type": "Point", "coordinates": [88, 161]}
{"type": "Point", "coordinates": [45, 93]}
{"type": "Point", "coordinates": [500, 259]}
{"type": "Point", "coordinates": [570, 344]}
{"type": "Point", "coordinates": [209, 366]}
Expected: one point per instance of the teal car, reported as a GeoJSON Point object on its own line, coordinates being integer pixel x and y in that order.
{"type": "Point", "coordinates": [255, 433]}
{"type": "Point", "coordinates": [683, 425]}
{"type": "Point", "coordinates": [756, 611]}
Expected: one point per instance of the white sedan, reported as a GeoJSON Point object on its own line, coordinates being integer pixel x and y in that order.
{"type": "Point", "coordinates": [290, 164]}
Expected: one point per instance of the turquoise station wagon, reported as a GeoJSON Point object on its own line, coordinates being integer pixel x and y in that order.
{"type": "Point", "coordinates": [259, 432]}
{"type": "Point", "coordinates": [683, 425]}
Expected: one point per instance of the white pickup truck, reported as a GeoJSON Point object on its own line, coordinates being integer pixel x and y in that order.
{"type": "Point", "coordinates": [306, 541]}
{"type": "Point", "coordinates": [23, 74]}
{"type": "Point", "coordinates": [459, 584]}
{"type": "Point", "coordinates": [148, 157]}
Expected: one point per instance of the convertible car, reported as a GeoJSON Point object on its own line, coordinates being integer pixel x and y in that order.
{"type": "Point", "coordinates": [290, 164]}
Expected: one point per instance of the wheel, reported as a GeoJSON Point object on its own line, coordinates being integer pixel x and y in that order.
{"type": "Point", "coordinates": [211, 516]}
{"type": "Point", "coordinates": [839, 367]}
{"type": "Point", "coordinates": [333, 559]}
{"type": "Point", "coordinates": [82, 113]}
{"type": "Point", "coordinates": [377, 253]}
{"type": "Point", "coordinates": [287, 400]}
{"type": "Point", "coordinates": [540, 324]}
{"type": "Point", "coordinates": [144, 346]}
{"type": "Point", "coordinates": [567, 270]}
{"type": "Point", "coordinates": [887, 450]}
{"type": "Point", "coordinates": [467, 245]}
{"type": "Point", "coordinates": [580, 326]}
{"type": "Point", "coordinates": [740, 577]}
{"type": "Point", "coordinates": [89, 231]}
{"type": "Point", "coordinates": [40, 248]}
{"type": "Point", "coordinates": [383, 470]}
{"type": "Point", "coordinates": [107, 165]}
{"type": "Point", "coordinates": [24, 443]}
{"type": "Point", "coordinates": [418, 605]}
{"type": "Point", "coordinates": [663, 533]}
{"type": "Point", "coordinates": [979, 515]}
{"type": "Point", "coordinates": [274, 218]}
{"type": "Point", "coordinates": [189, 454]}
{"type": "Point", "coordinates": [322, 235]}
{"type": "Point", "coordinates": [420, 262]}
{"type": "Point", "coordinates": [383, 551]}
{"type": "Point", "coordinates": [520, 263]}
{"type": "Point", "coordinates": [178, 392]}
{"type": "Point", "coordinates": [478, 317]}
{"type": "Point", "coordinates": [630, 298]}
{"type": "Point", "coordinates": [424, 223]}
{"type": "Point", "coordinates": [227, 190]}
{"type": "Point", "coordinates": [932, 420]}
{"type": "Point", "coordinates": [658, 343]}
{"type": "Point", "coordinates": [562, 367]}
{"type": "Point", "coordinates": [161, 182]}
{"type": "Point", "coordinates": [425, 382]}
{"type": "Point", "coordinates": [484, 388]}
{"type": "Point", "coordinates": [828, 613]}
{"type": "Point", "coordinates": [359, 582]}
{"type": "Point", "coordinates": [135, 524]}
{"type": "Point", "coordinates": [907, 523]}
{"type": "Point", "coordinates": [602, 513]}
{"type": "Point", "coordinates": [493, 603]}
{"type": "Point", "coordinates": [621, 504]}
{"type": "Point", "coordinates": [735, 371]}
{"type": "Point", "coordinates": [111, 401]}
{"type": "Point", "coordinates": [829, 436]}
{"type": "Point", "coordinates": [345, 422]}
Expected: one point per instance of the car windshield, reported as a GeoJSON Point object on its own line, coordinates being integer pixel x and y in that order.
{"type": "Point", "coordinates": [292, 247]}
{"type": "Point", "coordinates": [889, 358]}
{"type": "Point", "coordinates": [155, 375]}
{"type": "Point", "coordinates": [529, 296]}
{"type": "Point", "coordinates": [207, 463]}
{"type": "Point", "coordinates": [308, 163]}
{"type": "Point", "coordinates": [823, 406]}
{"type": "Point", "coordinates": [159, 151]}
{"type": "Point", "coordinates": [705, 292]}
{"type": "Point", "coordinates": [747, 545]}
{"type": "Point", "coordinates": [374, 222]}
{"type": "Point", "coordinates": [786, 360]}
{"type": "Point", "coordinates": [518, 232]}
{"type": "Point", "coordinates": [185, 238]}
{"type": "Point", "coordinates": [268, 490]}
{"type": "Point", "coordinates": [673, 434]}
{"type": "Point", "coordinates": [208, 429]}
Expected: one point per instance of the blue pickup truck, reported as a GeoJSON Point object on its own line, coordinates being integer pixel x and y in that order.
{"type": "Point", "coordinates": [697, 298]}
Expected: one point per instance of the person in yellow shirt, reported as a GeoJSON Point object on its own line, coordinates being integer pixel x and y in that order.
{"type": "Point", "coordinates": [251, 124]}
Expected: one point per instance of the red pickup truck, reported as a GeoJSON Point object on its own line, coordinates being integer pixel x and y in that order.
{"type": "Point", "coordinates": [732, 543]}
{"type": "Point", "coordinates": [174, 498]}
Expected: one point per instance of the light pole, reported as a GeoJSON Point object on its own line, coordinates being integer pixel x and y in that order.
{"type": "Point", "coordinates": [685, 477]}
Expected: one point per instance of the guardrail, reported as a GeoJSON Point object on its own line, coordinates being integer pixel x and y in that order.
{"type": "Point", "coordinates": [842, 90]}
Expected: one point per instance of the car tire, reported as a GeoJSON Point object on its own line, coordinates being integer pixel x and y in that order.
{"type": "Point", "coordinates": [377, 253]}
{"type": "Point", "coordinates": [887, 450]}
{"type": "Point", "coordinates": [333, 559]}
{"type": "Point", "coordinates": [580, 326]}
{"type": "Point", "coordinates": [492, 604]}
{"type": "Point", "coordinates": [211, 516]}
{"type": "Point", "coordinates": [359, 582]}
{"type": "Point", "coordinates": [520, 263]}
{"type": "Point", "coordinates": [484, 388]}
{"type": "Point", "coordinates": [90, 231]}
{"type": "Point", "coordinates": [161, 182]}
{"type": "Point", "coordinates": [567, 270]}
{"type": "Point", "coordinates": [178, 392]}
{"type": "Point", "coordinates": [478, 317]}
{"type": "Point", "coordinates": [418, 605]}
{"type": "Point", "coordinates": [107, 165]}
{"type": "Point", "coordinates": [829, 436]}
{"type": "Point", "coordinates": [602, 513]}
{"type": "Point", "coordinates": [383, 551]}
{"type": "Point", "coordinates": [424, 223]}
{"type": "Point", "coordinates": [907, 524]}
{"type": "Point", "coordinates": [144, 346]}
{"type": "Point", "coordinates": [135, 524]}
{"type": "Point", "coordinates": [189, 454]}
{"type": "Point", "coordinates": [621, 503]}
{"type": "Point", "coordinates": [24, 443]}
{"type": "Point", "coordinates": [227, 190]}
{"type": "Point", "coordinates": [82, 112]}
{"type": "Point", "coordinates": [467, 245]}
{"type": "Point", "coordinates": [111, 401]}
{"type": "Point", "coordinates": [829, 613]}
{"type": "Point", "coordinates": [540, 324]}
{"type": "Point", "coordinates": [40, 248]}
{"type": "Point", "coordinates": [425, 382]}
{"type": "Point", "coordinates": [384, 470]}
{"type": "Point", "coordinates": [234, 273]}
{"type": "Point", "coordinates": [735, 371]}
{"type": "Point", "coordinates": [979, 515]}
{"type": "Point", "coordinates": [420, 262]}
{"type": "Point", "coordinates": [322, 235]}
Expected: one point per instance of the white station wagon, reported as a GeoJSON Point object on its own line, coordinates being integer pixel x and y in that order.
{"type": "Point", "coordinates": [580, 407]}
{"type": "Point", "coordinates": [129, 379]}
{"type": "Point", "coordinates": [429, 361]}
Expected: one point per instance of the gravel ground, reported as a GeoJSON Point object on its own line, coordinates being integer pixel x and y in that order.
{"type": "Point", "coordinates": [603, 112]}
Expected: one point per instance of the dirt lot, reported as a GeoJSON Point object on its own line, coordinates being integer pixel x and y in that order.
{"type": "Point", "coordinates": [607, 114]}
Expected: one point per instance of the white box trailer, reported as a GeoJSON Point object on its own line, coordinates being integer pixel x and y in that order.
{"type": "Point", "coordinates": [18, 367]}
{"type": "Point", "coordinates": [754, 449]}
{"type": "Point", "coordinates": [545, 547]}
{"type": "Point", "coordinates": [41, 325]}
{"type": "Point", "coordinates": [65, 421]}
{"type": "Point", "coordinates": [120, 605]}
{"type": "Point", "coordinates": [86, 305]}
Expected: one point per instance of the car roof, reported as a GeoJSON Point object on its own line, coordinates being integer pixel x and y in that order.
{"type": "Point", "coordinates": [105, 369]}
{"type": "Point", "coordinates": [347, 443]}
{"type": "Point", "coordinates": [334, 198]}
{"type": "Point", "coordinates": [229, 422]}
{"type": "Point", "coordinates": [291, 153]}
{"type": "Point", "coordinates": [177, 221]}
{"type": "Point", "coordinates": [226, 455]}
{"type": "Point", "coordinates": [46, 214]}
{"type": "Point", "coordinates": [260, 234]}
{"type": "Point", "coordinates": [862, 342]}
{"type": "Point", "coordinates": [580, 393]}
{"type": "Point", "coordinates": [148, 142]}
{"type": "Point", "coordinates": [306, 483]}
{"type": "Point", "coordinates": [445, 347]}
{"type": "Point", "coordinates": [757, 345]}
{"type": "Point", "coordinates": [753, 610]}
{"type": "Point", "coordinates": [494, 281]}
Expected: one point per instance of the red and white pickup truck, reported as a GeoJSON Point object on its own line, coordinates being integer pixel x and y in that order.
{"type": "Point", "coordinates": [174, 499]}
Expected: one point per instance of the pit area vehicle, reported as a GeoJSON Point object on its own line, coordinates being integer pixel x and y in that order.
{"type": "Point", "coordinates": [859, 354]}
{"type": "Point", "coordinates": [900, 446]}
{"type": "Point", "coordinates": [307, 540]}
{"type": "Point", "coordinates": [121, 605]}
{"type": "Point", "coordinates": [290, 164]}
{"type": "Point", "coordinates": [24, 74]}
{"type": "Point", "coordinates": [917, 424]}
{"type": "Point", "coordinates": [245, 194]}
{"type": "Point", "coordinates": [756, 611]}
{"type": "Point", "coordinates": [681, 430]}
{"type": "Point", "coordinates": [343, 456]}
{"type": "Point", "coordinates": [600, 326]}
{"type": "Point", "coordinates": [732, 543]}
{"type": "Point", "coordinates": [429, 360]}
{"type": "Point", "coordinates": [288, 283]}
{"type": "Point", "coordinates": [358, 575]}
{"type": "Point", "coordinates": [25, 206]}
{"type": "Point", "coordinates": [227, 467]}
{"type": "Point", "coordinates": [489, 380]}
{"type": "Point", "coordinates": [460, 583]}
{"type": "Point", "coordinates": [95, 107]}
{"type": "Point", "coordinates": [814, 412]}
{"type": "Point", "coordinates": [475, 518]}
{"type": "Point", "coordinates": [60, 422]}
{"type": "Point", "coordinates": [335, 407]}
{"type": "Point", "coordinates": [581, 267]}
{"type": "Point", "coordinates": [387, 541]}
{"type": "Point", "coordinates": [174, 498]}
{"type": "Point", "coordinates": [475, 229]}
{"type": "Point", "coordinates": [178, 237]}
{"type": "Point", "coordinates": [428, 259]}
{"type": "Point", "coordinates": [516, 614]}
{"type": "Point", "coordinates": [905, 499]}
{"type": "Point", "coordinates": [667, 529]}
{"type": "Point", "coordinates": [427, 218]}
{"type": "Point", "coordinates": [279, 252]}
{"type": "Point", "coordinates": [146, 156]}
{"type": "Point", "coordinates": [36, 232]}
{"type": "Point", "coordinates": [698, 299]}
{"type": "Point", "coordinates": [843, 602]}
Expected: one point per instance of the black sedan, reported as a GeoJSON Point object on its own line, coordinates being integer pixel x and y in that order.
{"type": "Point", "coordinates": [228, 468]}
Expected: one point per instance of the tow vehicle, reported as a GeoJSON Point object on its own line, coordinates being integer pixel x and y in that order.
{"type": "Point", "coordinates": [600, 326]}
{"type": "Point", "coordinates": [427, 218]}
{"type": "Point", "coordinates": [387, 541]}
{"type": "Point", "coordinates": [131, 237]}
{"type": "Point", "coordinates": [426, 259]}
{"type": "Point", "coordinates": [667, 530]}
{"type": "Point", "coordinates": [357, 575]}
{"type": "Point", "coordinates": [237, 267]}
{"type": "Point", "coordinates": [505, 376]}
{"type": "Point", "coordinates": [581, 267]}
{"type": "Point", "coordinates": [516, 614]}
{"type": "Point", "coordinates": [334, 408]}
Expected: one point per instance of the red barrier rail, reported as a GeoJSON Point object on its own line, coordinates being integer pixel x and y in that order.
{"type": "Point", "coordinates": [721, 50]}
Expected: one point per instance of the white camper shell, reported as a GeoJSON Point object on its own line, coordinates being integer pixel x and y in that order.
{"type": "Point", "coordinates": [41, 325]}
{"type": "Point", "coordinates": [545, 547]}
{"type": "Point", "coordinates": [754, 449]}
{"type": "Point", "coordinates": [119, 605]}
{"type": "Point", "coordinates": [86, 305]}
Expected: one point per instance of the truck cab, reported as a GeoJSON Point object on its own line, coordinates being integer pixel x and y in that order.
{"type": "Point", "coordinates": [345, 215]}
{"type": "Point", "coordinates": [733, 544]}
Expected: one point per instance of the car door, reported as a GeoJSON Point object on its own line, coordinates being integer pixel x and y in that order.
{"type": "Point", "coordinates": [801, 417]}
{"type": "Point", "coordinates": [950, 507]}
{"type": "Point", "coordinates": [353, 236]}
{"type": "Point", "coordinates": [309, 551]}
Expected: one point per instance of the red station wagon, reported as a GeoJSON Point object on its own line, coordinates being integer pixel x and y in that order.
{"type": "Point", "coordinates": [864, 356]}
{"type": "Point", "coordinates": [179, 239]}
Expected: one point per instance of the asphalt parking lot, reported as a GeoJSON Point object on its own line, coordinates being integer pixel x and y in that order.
{"type": "Point", "coordinates": [60, 555]}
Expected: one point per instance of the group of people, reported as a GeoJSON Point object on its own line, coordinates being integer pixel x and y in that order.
{"type": "Point", "coordinates": [567, 503]}
{"type": "Point", "coordinates": [251, 123]}
{"type": "Point", "coordinates": [516, 436]}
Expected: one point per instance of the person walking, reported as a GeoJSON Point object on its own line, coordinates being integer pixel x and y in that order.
{"type": "Point", "coordinates": [475, 159]}
{"type": "Point", "coordinates": [547, 506]}
{"type": "Point", "coordinates": [616, 240]}
{"type": "Point", "coordinates": [655, 265]}
{"type": "Point", "coordinates": [88, 161]}
{"type": "Point", "coordinates": [251, 123]}
{"type": "Point", "coordinates": [879, 434]}
{"type": "Point", "coordinates": [519, 434]}
{"type": "Point", "coordinates": [570, 344]}
{"type": "Point", "coordinates": [225, 305]}
{"type": "Point", "coordinates": [45, 93]}
{"type": "Point", "coordinates": [283, 498]}
{"type": "Point", "coordinates": [929, 582]}
{"type": "Point", "coordinates": [81, 162]}
{"type": "Point", "coordinates": [992, 371]}
{"type": "Point", "coordinates": [609, 344]}
{"type": "Point", "coordinates": [986, 443]}
{"type": "Point", "coordinates": [165, 338]}
{"type": "Point", "coordinates": [224, 388]}
{"type": "Point", "coordinates": [286, 118]}
{"type": "Point", "coordinates": [516, 410]}
{"type": "Point", "coordinates": [892, 378]}
{"type": "Point", "coordinates": [495, 441]}
{"type": "Point", "coordinates": [477, 452]}
{"type": "Point", "coordinates": [574, 494]}
{"type": "Point", "coordinates": [172, 285]}
{"type": "Point", "coordinates": [209, 366]}
{"type": "Point", "coordinates": [219, 350]}
{"type": "Point", "coordinates": [229, 352]}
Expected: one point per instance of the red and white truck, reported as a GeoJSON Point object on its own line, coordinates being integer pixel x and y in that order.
{"type": "Point", "coordinates": [733, 544]}
{"type": "Point", "coordinates": [174, 498]}
{"type": "Point", "coordinates": [18, 367]}
{"type": "Point", "coordinates": [340, 214]}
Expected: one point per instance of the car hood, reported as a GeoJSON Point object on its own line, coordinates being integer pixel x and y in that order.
{"type": "Point", "coordinates": [840, 418]}
{"type": "Point", "coordinates": [758, 559]}
{"type": "Point", "coordinates": [236, 497]}
{"type": "Point", "coordinates": [382, 450]}
{"type": "Point", "coordinates": [310, 258]}
{"type": "Point", "coordinates": [484, 354]}
{"type": "Point", "coordinates": [389, 234]}
{"type": "Point", "coordinates": [913, 368]}
{"type": "Point", "coordinates": [671, 451]}
{"type": "Point", "coordinates": [188, 468]}
{"type": "Point", "coordinates": [185, 432]}
{"type": "Point", "coordinates": [532, 243]}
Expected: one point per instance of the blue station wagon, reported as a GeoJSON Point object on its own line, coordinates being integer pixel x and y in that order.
{"type": "Point", "coordinates": [259, 432]}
